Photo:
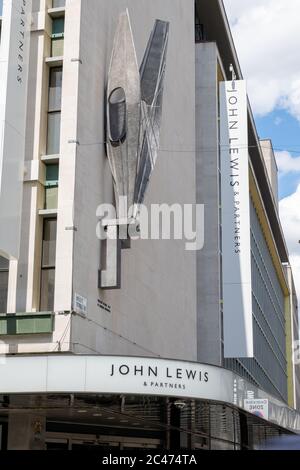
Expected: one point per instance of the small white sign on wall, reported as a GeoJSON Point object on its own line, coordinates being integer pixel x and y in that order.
{"type": "Point", "coordinates": [258, 407]}
{"type": "Point", "coordinates": [80, 304]}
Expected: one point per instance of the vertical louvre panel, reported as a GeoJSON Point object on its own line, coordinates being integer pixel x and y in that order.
{"type": "Point", "coordinates": [268, 369]}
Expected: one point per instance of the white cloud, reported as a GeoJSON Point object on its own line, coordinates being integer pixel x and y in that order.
{"type": "Point", "coordinates": [290, 219]}
{"type": "Point", "coordinates": [287, 164]}
{"type": "Point", "coordinates": [278, 120]}
{"type": "Point", "coordinates": [236, 8]}
{"type": "Point", "coordinates": [267, 37]}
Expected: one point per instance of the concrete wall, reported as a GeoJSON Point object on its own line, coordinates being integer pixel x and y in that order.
{"type": "Point", "coordinates": [270, 162]}
{"type": "Point", "coordinates": [208, 260]}
{"type": "Point", "coordinates": [154, 313]}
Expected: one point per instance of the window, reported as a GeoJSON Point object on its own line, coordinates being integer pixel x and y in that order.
{"type": "Point", "coordinates": [58, 3]}
{"type": "Point", "coordinates": [48, 265]}
{"type": "Point", "coordinates": [55, 86]}
{"type": "Point", "coordinates": [53, 141]}
{"type": "Point", "coordinates": [4, 267]}
{"type": "Point", "coordinates": [54, 111]}
{"type": "Point", "coordinates": [57, 37]}
{"type": "Point", "coordinates": [51, 196]}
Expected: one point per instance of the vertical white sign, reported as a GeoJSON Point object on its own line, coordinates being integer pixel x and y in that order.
{"type": "Point", "coordinates": [236, 249]}
{"type": "Point", "coordinates": [14, 57]}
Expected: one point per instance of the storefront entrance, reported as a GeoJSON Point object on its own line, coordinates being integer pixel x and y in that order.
{"type": "Point", "coordinates": [107, 422]}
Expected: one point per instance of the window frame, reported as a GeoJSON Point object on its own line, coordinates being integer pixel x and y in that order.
{"type": "Point", "coordinates": [53, 111]}
{"type": "Point", "coordinates": [6, 271]}
{"type": "Point", "coordinates": [47, 267]}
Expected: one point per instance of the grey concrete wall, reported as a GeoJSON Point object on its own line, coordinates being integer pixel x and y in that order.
{"type": "Point", "coordinates": [154, 313]}
{"type": "Point", "coordinates": [270, 162]}
{"type": "Point", "coordinates": [207, 176]}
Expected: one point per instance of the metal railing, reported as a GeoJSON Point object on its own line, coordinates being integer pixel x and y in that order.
{"type": "Point", "coordinates": [199, 32]}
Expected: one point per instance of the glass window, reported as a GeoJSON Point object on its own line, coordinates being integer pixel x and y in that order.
{"type": "Point", "coordinates": [51, 197]}
{"type": "Point", "coordinates": [57, 37]}
{"type": "Point", "coordinates": [51, 186]}
{"type": "Point", "coordinates": [48, 265]}
{"type": "Point", "coordinates": [54, 111]}
{"type": "Point", "coordinates": [53, 138]}
{"type": "Point", "coordinates": [47, 290]}
{"type": "Point", "coordinates": [51, 189]}
{"type": "Point", "coordinates": [49, 243]}
{"type": "Point", "coordinates": [58, 3]}
{"type": "Point", "coordinates": [55, 85]}
{"type": "Point", "coordinates": [52, 175]}
{"type": "Point", "coordinates": [3, 291]}
{"type": "Point", "coordinates": [4, 265]}
{"type": "Point", "coordinates": [57, 47]}
{"type": "Point", "coordinates": [58, 27]}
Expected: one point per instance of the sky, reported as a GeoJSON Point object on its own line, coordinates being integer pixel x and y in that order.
{"type": "Point", "coordinates": [267, 38]}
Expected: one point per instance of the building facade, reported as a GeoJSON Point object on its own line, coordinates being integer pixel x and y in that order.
{"type": "Point", "coordinates": [170, 303]}
{"type": "Point", "coordinates": [270, 286]}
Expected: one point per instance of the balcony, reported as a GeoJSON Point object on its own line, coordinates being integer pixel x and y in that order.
{"type": "Point", "coordinates": [26, 323]}
{"type": "Point", "coordinates": [51, 185]}
{"type": "Point", "coordinates": [199, 32]}
{"type": "Point", "coordinates": [57, 47]}
{"type": "Point", "coordinates": [51, 197]}
{"type": "Point", "coordinates": [57, 36]}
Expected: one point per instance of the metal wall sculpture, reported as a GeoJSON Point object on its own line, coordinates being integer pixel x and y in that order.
{"type": "Point", "coordinates": [152, 86]}
{"type": "Point", "coordinates": [134, 111]}
{"type": "Point", "coordinates": [123, 114]}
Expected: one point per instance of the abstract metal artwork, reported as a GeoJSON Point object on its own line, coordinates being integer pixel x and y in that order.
{"type": "Point", "coordinates": [123, 115]}
{"type": "Point", "coordinates": [134, 112]}
{"type": "Point", "coordinates": [152, 73]}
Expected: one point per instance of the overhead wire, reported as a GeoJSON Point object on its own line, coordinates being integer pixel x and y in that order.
{"type": "Point", "coordinates": [205, 149]}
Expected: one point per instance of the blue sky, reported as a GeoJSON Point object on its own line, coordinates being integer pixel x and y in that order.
{"type": "Point", "coordinates": [284, 131]}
